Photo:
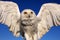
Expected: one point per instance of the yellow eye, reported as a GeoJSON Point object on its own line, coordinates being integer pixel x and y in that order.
{"type": "Point", "coordinates": [31, 12]}
{"type": "Point", "coordinates": [25, 12]}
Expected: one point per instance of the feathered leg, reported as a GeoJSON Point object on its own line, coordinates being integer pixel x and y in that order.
{"type": "Point", "coordinates": [33, 37]}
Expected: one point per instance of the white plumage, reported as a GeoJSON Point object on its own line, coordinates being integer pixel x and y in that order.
{"type": "Point", "coordinates": [30, 26]}
{"type": "Point", "coordinates": [9, 15]}
{"type": "Point", "coordinates": [50, 16]}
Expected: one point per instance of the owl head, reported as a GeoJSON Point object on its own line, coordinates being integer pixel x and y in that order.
{"type": "Point", "coordinates": [28, 14]}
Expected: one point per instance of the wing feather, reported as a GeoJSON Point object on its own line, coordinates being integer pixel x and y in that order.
{"type": "Point", "coordinates": [10, 15]}
{"type": "Point", "coordinates": [49, 16]}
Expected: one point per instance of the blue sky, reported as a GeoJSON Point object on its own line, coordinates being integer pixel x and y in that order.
{"type": "Point", "coordinates": [53, 34]}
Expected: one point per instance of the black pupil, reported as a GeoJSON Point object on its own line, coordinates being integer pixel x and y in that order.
{"type": "Point", "coordinates": [31, 12]}
{"type": "Point", "coordinates": [25, 12]}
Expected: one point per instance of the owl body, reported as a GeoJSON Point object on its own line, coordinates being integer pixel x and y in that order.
{"type": "Point", "coordinates": [28, 22]}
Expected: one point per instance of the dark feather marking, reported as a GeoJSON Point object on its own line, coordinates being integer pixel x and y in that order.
{"type": "Point", "coordinates": [52, 18]}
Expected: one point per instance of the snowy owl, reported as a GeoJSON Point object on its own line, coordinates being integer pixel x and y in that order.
{"type": "Point", "coordinates": [26, 23]}
{"type": "Point", "coordinates": [29, 24]}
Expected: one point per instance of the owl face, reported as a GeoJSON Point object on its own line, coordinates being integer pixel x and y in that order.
{"type": "Point", "coordinates": [28, 14]}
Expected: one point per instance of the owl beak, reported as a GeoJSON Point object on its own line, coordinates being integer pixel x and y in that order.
{"type": "Point", "coordinates": [29, 16]}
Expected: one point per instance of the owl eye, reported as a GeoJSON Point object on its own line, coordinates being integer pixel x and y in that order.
{"type": "Point", "coordinates": [31, 12]}
{"type": "Point", "coordinates": [25, 12]}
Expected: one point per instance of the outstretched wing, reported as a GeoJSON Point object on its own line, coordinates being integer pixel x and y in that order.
{"type": "Point", "coordinates": [49, 16]}
{"type": "Point", "coordinates": [10, 15]}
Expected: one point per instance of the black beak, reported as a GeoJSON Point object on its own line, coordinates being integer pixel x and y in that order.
{"type": "Point", "coordinates": [29, 16]}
